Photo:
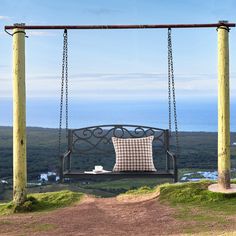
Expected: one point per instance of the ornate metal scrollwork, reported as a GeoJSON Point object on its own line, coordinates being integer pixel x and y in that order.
{"type": "Point", "coordinates": [88, 139]}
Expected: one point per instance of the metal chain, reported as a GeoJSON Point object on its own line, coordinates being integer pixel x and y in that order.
{"type": "Point", "coordinates": [171, 77]}
{"type": "Point", "coordinates": [169, 81]}
{"type": "Point", "coordinates": [66, 77]}
{"type": "Point", "coordinates": [64, 62]}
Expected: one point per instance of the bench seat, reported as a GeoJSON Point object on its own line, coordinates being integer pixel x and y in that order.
{"type": "Point", "coordinates": [119, 175]}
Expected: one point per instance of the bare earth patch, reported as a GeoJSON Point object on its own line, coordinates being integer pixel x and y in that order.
{"type": "Point", "coordinates": [104, 216]}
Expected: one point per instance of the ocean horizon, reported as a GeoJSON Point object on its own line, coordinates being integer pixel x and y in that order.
{"type": "Point", "coordinates": [192, 116]}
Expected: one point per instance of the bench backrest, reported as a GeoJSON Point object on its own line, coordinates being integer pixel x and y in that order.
{"type": "Point", "coordinates": [98, 138]}
{"type": "Point", "coordinates": [93, 145]}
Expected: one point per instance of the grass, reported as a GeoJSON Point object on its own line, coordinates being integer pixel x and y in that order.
{"type": "Point", "coordinates": [43, 227]}
{"type": "Point", "coordinates": [124, 185]}
{"type": "Point", "coordinates": [197, 195]}
{"type": "Point", "coordinates": [190, 194]}
{"type": "Point", "coordinates": [141, 191]}
{"type": "Point", "coordinates": [43, 202]}
{"type": "Point", "coordinates": [140, 194]}
{"type": "Point", "coordinates": [198, 221]}
{"type": "Point", "coordinates": [199, 208]}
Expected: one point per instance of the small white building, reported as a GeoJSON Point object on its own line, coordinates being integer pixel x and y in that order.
{"type": "Point", "coordinates": [3, 181]}
{"type": "Point", "coordinates": [48, 176]}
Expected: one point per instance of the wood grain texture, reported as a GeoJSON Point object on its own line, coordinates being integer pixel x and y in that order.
{"type": "Point", "coordinates": [223, 109]}
{"type": "Point", "coordinates": [19, 118]}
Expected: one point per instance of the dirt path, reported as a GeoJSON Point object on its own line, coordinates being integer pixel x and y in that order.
{"type": "Point", "coordinates": [97, 216]}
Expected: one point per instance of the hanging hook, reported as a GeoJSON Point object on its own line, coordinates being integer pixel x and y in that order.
{"type": "Point", "coordinates": [11, 34]}
{"type": "Point", "coordinates": [8, 32]}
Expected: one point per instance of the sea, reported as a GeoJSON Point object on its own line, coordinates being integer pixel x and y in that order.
{"type": "Point", "coordinates": [191, 115]}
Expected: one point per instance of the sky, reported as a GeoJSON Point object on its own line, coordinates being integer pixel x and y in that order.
{"type": "Point", "coordinates": [118, 75]}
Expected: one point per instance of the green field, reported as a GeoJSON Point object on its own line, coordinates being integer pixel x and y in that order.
{"type": "Point", "coordinates": [198, 150]}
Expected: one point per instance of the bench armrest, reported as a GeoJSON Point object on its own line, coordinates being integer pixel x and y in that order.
{"type": "Point", "coordinates": [66, 154]}
{"type": "Point", "coordinates": [62, 160]}
{"type": "Point", "coordinates": [173, 158]}
{"type": "Point", "coordinates": [171, 154]}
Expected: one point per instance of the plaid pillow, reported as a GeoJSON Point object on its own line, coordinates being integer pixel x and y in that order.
{"type": "Point", "coordinates": [133, 154]}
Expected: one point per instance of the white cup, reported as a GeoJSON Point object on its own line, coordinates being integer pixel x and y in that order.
{"type": "Point", "coordinates": [98, 168]}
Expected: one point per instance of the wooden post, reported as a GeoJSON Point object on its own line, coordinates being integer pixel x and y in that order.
{"type": "Point", "coordinates": [19, 118]}
{"type": "Point", "coordinates": [223, 109]}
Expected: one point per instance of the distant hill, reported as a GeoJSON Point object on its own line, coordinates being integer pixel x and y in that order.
{"type": "Point", "coordinates": [198, 150]}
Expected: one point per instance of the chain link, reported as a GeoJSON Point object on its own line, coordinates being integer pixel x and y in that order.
{"type": "Point", "coordinates": [64, 80]}
{"type": "Point", "coordinates": [171, 83]}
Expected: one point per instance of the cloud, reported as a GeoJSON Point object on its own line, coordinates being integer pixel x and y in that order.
{"type": "Point", "coordinates": [40, 33]}
{"type": "Point", "coordinates": [144, 86]}
{"type": "Point", "coordinates": [4, 66]}
{"type": "Point", "coordinates": [103, 11]}
{"type": "Point", "coordinates": [5, 18]}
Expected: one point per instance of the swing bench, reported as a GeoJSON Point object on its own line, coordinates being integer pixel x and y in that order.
{"type": "Point", "coordinates": [85, 141]}
{"type": "Point", "coordinates": [95, 142]}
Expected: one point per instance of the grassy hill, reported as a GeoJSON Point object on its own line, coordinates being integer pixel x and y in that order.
{"type": "Point", "coordinates": [169, 209]}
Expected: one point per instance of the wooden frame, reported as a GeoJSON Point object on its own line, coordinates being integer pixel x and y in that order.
{"type": "Point", "coordinates": [19, 135]}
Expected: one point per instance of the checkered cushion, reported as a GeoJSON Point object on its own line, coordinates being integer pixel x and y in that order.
{"type": "Point", "coordinates": [133, 154]}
